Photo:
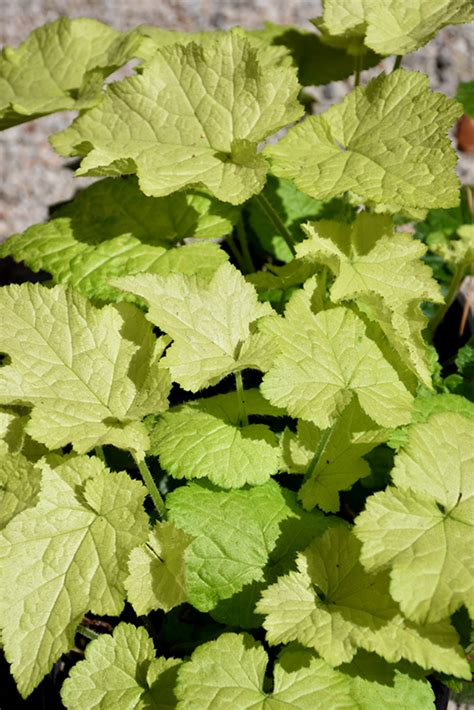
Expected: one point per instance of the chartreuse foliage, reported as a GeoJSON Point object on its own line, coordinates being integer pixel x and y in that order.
{"type": "Point", "coordinates": [390, 27]}
{"type": "Point", "coordinates": [385, 143]}
{"type": "Point", "coordinates": [241, 320]}
{"type": "Point", "coordinates": [61, 66]}
{"type": "Point", "coordinates": [195, 115]}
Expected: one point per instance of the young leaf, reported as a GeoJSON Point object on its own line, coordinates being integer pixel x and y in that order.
{"type": "Point", "coordinates": [204, 439]}
{"type": "Point", "coordinates": [73, 363]}
{"type": "Point", "coordinates": [61, 66]}
{"type": "Point", "coordinates": [340, 464]}
{"type": "Point", "coordinates": [422, 527]}
{"type": "Point", "coordinates": [194, 116]}
{"type": "Point", "coordinates": [332, 605]}
{"type": "Point", "coordinates": [19, 486]}
{"type": "Point", "coordinates": [390, 26]}
{"type": "Point", "coordinates": [326, 359]}
{"type": "Point", "coordinates": [64, 557]}
{"type": "Point", "coordinates": [399, 155]}
{"type": "Point", "coordinates": [382, 271]}
{"type": "Point", "coordinates": [121, 671]}
{"type": "Point", "coordinates": [157, 570]}
{"type": "Point", "coordinates": [231, 672]}
{"type": "Point", "coordinates": [367, 257]}
{"type": "Point", "coordinates": [235, 531]}
{"type": "Point", "coordinates": [210, 324]}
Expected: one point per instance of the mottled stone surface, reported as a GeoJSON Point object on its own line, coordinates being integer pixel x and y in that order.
{"type": "Point", "coordinates": [32, 176]}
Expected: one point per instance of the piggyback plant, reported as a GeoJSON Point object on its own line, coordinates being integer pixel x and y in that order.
{"type": "Point", "coordinates": [234, 473]}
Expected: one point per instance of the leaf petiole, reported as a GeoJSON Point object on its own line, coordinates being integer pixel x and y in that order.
{"type": "Point", "coordinates": [244, 420]}
{"type": "Point", "coordinates": [152, 487]}
{"type": "Point", "coordinates": [321, 447]}
{"type": "Point", "coordinates": [275, 218]}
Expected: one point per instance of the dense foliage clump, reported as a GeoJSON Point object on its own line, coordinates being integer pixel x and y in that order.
{"type": "Point", "coordinates": [236, 472]}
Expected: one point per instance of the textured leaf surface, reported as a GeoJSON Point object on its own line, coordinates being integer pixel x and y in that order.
{"type": "Point", "coordinates": [121, 671]}
{"type": "Point", "coordinates": [73, 363]}
{"type": "Point", "coordinates": [368, 257]}
{"type": "Point", "coordinates": [326, 359]}
{"type": "Point", "coordinates": [19, 486]}
{"type": "Point", "coordinates": [64, 557]}
{"type": "Point", "coordinates": [424, 407]}
{"type": "Point", "coordinates": [113, 229]}
{"type": "Point", "coordinates": [209, 323]}
{"type": "Point", "coordinates": [200, 439]}
{"type": "Point", "coordinates": [230, 672]}
{"type": "Point", "coordinates": [340, 464]}
{"type": "Point", "coordinates": [60, 66]}
{"type": "Point", "coordinates": [235, 533]}
{"type": "Point", "coordinates": [423, 528]}
{"type": "Point", "coordinates": [383, 272]}
{"type": "Point", "coordinates": [390, 26]}
{"type": "Point", "coordinates": [157, 571]}
{"type": "Point", "coordinates": [332, 605]}
{"type": "Point", "coordinates": [194, 116]}
{"type": "Point", "coordinates": [386, 143]}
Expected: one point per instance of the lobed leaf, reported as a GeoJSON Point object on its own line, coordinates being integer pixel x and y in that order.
{"type": "Point", "coordinates": [60, 66]}
{"type": "Point", "coordinates": [231, 672]}
{"type": "Point", "coordinates": [210, 324]}
{"type": "Point", "coordinates": [332, 605]}
{"type": "Point", "coordinates": [326, 360]}
{"type": "Point", "coordinates": [121, 671]}
{"type": "Point", "coordinates": [385, 142]}
{"type": "Point", "coordinates": [236, 533]}
{"type": "Point", "coordinates": [202, 439]}
{"type": "Point", "coordinates": [64, 557]}
{"type": "Point", "coordinates": [194, 116]}
{"type": "Point", "coordinates": [421, 526]}
{"type": "Point", "coordinates": [390, 26]}
{"type": "Point", "coordinates": [90, 374]}
{"type": "Point", "coordinates": [112, 229]}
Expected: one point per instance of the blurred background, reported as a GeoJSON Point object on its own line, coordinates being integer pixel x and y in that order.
{"type": "Point", "coordinates": [32, 176]}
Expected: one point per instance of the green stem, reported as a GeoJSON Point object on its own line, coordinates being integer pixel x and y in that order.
{"type": "Point", "coordinates": [235, 251]}
{"type": "Point", "coordinates": [99, 452]}
{"type": "Point", "coordinates": [452, 293]}
{"type": "Point", "coordinates": [244, 420]}
{"type": "Point", "coordinates": [152, 487]}
{"type": "Point", "coordinates": [359, 61]}
{"type": "Point", "coordinates": [325, 436]}
{"type": "Point", "coordinates": [244, 246]}
{"type": "Point", "coordinates": [276, 220]}
{"type": "Point", "coordinates": [398, 62]}
{"type": "Point", "coordinates": [88, 633]}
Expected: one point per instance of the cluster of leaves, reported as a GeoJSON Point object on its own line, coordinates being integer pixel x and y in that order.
{"type": "Point", "coordinates": [244, 328]}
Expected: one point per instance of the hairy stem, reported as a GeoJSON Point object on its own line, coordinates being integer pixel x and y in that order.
{"type": "Point", "coordinates": [152, 487]}
{"type": "Point", "coordinates": [244, 420]}
{"type": "Point", "coordinates": [276, 220]}
{"type": "Point", "coordinates": [322, 443]}
{"type": "Point", "coordinates": [452, 293]}
{"type": "Point", "coordinates": [244, 246]}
